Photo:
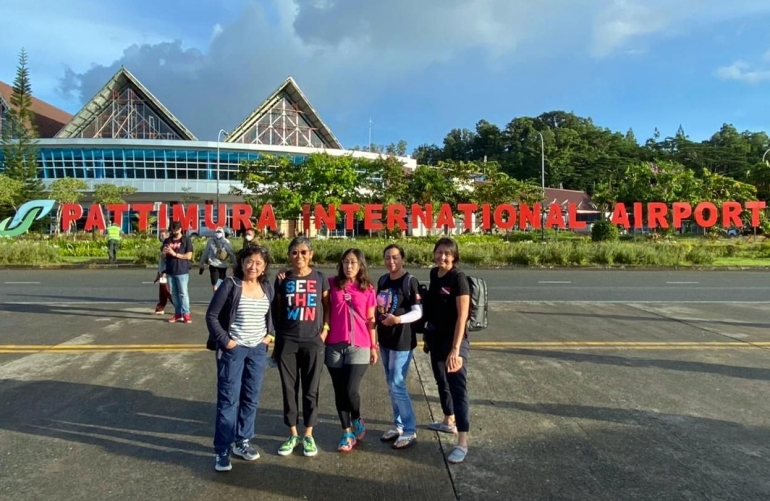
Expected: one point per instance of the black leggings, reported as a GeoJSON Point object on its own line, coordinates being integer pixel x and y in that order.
{"type": "Point", "coordinates": [452, 386]}
{"type": "Point", "coordinates": [347, 381]}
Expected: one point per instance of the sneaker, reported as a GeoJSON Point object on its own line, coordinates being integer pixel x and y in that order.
{"type": "Point", "coordinates": [223, 461]}
{"type": "Point", "coordinates": [186, 318]}
{"type": "Point", "coordinates": [246, 451]}
{"type": "Point", "coordinates": [160, 312]}
{"type": "Point", "coordinates": [308, 446]}
{"type": "Point", "coordinates": [288, 446]}
{"type": "Point", "coordinates": [359, 430]}
{"type": "Point", "coordinates": [175, 318]}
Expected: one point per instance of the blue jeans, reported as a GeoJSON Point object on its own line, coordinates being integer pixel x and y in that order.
{"type": "Point", "coordinates": [396, 365]}
{"type": "Point", "coordinates": [239, 383]}
{"type": "Point", "coordinates": [179, 295]}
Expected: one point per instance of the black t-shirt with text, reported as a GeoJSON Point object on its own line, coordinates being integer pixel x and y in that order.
{"type": "Point", "coordinates": [175, 265]}
{"type": "Point", "coordinates": [299, 305]}
{"type": "Point", "coordinates": [393, 299]}
{"type": "Point", "coordinates": [441, 303]}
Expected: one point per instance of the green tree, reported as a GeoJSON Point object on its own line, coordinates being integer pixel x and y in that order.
{"type": "Point", "coordinates": [66, 191]}
{"type": "Point", "coordinates": [320, 179]}
{"type": "Point", "coordinates": [107, 193]}
{"type": "Point", "coordinates": [9, 189]}
{"type": "Point", "coordinates": [19, 137]}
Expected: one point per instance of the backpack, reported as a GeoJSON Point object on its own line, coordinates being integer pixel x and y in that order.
{"type": "Point", "coordinates": [479, 310]}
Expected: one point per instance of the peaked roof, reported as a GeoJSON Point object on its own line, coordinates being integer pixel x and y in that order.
{"type": "Point", "coordinates": [48, 119]}
{"type": "Point", "coordinates": [122, 79]}
{"type": "Point", "coordinates": [581, 199]}
{"type": "Point", "coordinates": [297, 97]}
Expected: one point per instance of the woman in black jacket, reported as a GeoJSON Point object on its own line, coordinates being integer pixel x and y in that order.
{"type": "Point", "coordinates": [240, 330]}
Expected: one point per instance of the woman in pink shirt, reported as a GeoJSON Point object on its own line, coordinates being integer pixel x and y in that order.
{"type": "Point", "coordinates": [352, 341]}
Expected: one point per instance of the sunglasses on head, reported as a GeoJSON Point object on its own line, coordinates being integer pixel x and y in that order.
{"type": "Point", "coordinates": [303, 252]}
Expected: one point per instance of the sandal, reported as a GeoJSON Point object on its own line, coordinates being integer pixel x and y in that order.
{"type": "Point", "coordinates": [443, 427]}
{"type": "Point", "coordinates": [457, 455]}
{"type": "Point", "coordinates": [391, 435]}
{"type": "Point", "coordinates": [347, 442]}
{"type": "Point", "coordinates": [404, 441]}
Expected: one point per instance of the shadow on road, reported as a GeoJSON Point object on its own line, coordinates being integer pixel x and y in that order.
{"type": "Point", "coordinates": [637, 318]}
{"type": "Point", "coordinates": [753, 373]}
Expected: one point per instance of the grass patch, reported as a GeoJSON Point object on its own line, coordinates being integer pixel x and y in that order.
{"type": "Point", "coordinates": [518, 249]}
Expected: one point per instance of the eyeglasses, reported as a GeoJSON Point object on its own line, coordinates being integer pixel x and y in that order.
{"type": "Point", "coordinates": [296, 253]}
{"type": "Point", "coordinates": [351, 263]}
{"type": "Point", "coordinates": [249, 263]}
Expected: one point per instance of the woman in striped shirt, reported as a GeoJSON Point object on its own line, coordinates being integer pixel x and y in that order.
{"type": "Point", "coordinates": [241, 328]}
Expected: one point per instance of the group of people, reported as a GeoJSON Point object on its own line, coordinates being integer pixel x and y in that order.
{"type": "Point", "coordinates": [175, 262]}
{"type": "Point", "coordinates": [347, 322]}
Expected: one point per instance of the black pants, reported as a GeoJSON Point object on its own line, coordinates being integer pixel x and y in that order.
{"type": "Point", "coordinates": [300, 363]}
{"type": "Point", "coordinates": [347, 381]}
{"type": "Point", "coordinates": [452, 386]}
{"type": "Point", "coordinates": [217, 274]}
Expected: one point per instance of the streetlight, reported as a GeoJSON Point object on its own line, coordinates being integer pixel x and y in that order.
{"type": "Point", "coordinates": [218, 135]}
{"type": "Point", "coordinates": [542, 180]}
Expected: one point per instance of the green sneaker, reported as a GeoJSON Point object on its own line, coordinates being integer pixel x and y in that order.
{"type": "Point", "coordinates": [288, 446]}
{"type": "Point", "coordinates": [308, 444]}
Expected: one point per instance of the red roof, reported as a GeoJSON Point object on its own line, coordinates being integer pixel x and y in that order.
{"type": "Point", "coordinates": [581, 199]}
{"type": "Point", "coordinates": [48, 119]}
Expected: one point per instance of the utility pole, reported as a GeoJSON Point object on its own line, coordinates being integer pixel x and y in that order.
{"type": "Point", "coordinates": [370, 134]}
{"type": "Point", "coordinates": [542, 180]}
{"type": "Point", "coordinates": [219, 134]}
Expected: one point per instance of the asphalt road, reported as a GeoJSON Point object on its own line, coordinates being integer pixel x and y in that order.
{"type": "Point", "coordinates": [135, 285]}
{"type": "Point", "coordinates": [588, 385]}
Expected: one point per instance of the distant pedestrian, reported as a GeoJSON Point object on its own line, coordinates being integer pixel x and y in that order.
{"type": "Point", "coordinates": [398, 307]}
{"type": "Point", "coordinates": [164, 294]}
{"type": "Point", "coordinates": [302, 323]}
{"type": "Point", "coordinates": [216, 254]}
{"type": "Point", "coordinates": [113, 242]}
{"type": "Point", "coordinates": [447, 306]}
{"type": "Point", "coordinates": [249, 237]}
{"type": "Point", "coordinates": [241, 329]}
{"type": "Point", "coordinates": [352, 341]}
{"type": "Point", "coordinates": [178, 249]}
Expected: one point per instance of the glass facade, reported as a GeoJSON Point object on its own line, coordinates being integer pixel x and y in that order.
{"type": "Point", "coordinates": [141, 163]}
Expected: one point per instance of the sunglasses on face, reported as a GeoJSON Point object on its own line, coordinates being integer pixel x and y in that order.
{"type": "Point", "coordinates": [296, 253]}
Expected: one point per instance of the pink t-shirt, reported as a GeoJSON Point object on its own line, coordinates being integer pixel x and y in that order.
{"type": "Point", "coordinates": [339, 317]}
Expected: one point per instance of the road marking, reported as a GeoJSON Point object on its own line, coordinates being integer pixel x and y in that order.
{"type": "Point", "coordinates": [12, 283]}
{"type": "Point", "coordinates": [554, 282]}
{"type": "Point", "coordinates": [529, 345]}
{"type": "Point", "coordinates": [682, 282]}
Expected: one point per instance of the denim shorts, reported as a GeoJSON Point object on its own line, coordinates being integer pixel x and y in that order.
{"type": "Point", "coordinates": [341, 354]}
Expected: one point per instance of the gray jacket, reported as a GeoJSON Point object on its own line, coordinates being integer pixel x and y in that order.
{"type": "Point", "coordinates": [209, 254]}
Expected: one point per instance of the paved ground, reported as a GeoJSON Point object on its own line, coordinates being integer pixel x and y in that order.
{"type": "Point", "coordinates": [618, 396]}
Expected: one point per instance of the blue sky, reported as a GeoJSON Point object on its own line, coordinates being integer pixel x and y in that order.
{"type": "Point", "coordinates": [418, 67]}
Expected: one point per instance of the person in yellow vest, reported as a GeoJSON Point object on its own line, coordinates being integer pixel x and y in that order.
{"type": "Point", "coordinates": [113, 242]}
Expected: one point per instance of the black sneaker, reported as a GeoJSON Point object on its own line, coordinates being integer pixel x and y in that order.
{"type": "Point", "coordinates": [223, 461]}
{"type": "Point", "coordinates": [246, 451]}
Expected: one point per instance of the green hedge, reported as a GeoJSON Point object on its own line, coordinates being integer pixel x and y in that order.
{"type": "Point", "coordinates": [483, 250]}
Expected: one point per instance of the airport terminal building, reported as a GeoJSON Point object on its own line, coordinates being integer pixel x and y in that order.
{"type": "Point", "coordinates": [125, 136]}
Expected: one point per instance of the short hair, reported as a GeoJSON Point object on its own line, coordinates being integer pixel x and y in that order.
{"type": "Point", "coordinates": [297, 241]}
{"type": "Point", "coordinates": [247, 252]}
{"type": "Point", "coordinates": [451, 246]}
{"type": "Point", "coordinates": [175, 225]}
{"type": "Point", "coordinates": [395, 246]}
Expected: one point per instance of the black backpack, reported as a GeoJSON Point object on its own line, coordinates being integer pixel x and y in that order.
{"type": "Point", "coordinates": [479, 311]}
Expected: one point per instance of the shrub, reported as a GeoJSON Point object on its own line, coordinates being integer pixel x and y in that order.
{"type": "Point", "coordinates": [604, 231]}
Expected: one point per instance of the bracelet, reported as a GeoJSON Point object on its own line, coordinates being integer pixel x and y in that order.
{"type": "Point", "coordinates": [326, 326]}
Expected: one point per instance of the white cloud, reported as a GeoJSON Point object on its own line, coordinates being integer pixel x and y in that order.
{"type": "Point", "coordinates": [341, 51]}
{"type": "Point", "coordinates": [742, 71]}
